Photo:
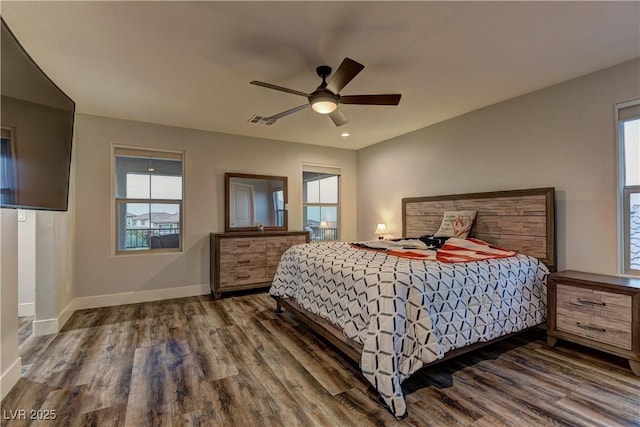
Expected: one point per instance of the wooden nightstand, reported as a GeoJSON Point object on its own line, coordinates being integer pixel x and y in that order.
{"type": "Point", "coordinates": [598, 311]}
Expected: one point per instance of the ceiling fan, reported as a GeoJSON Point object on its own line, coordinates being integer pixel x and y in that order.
{"type": "Point", "coordinates": [326, 97]}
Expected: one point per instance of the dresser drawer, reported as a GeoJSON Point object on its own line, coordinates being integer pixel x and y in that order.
{"type": "Point", "coordinates": [236, 246]}
{"type": "Point", "coordinates": [276, 246]}
{"type": "Point", "coordinates": [601, 304]}
{"type": "Point", "coordinates": [242, 260]}
{"type": "Point", "coordinates": [242, 276]}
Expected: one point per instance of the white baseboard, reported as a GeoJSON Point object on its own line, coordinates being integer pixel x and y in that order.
{"type": "Point", "coordinates": [52, 326]}
{"type": "Point", "coordinates": [10, 377]}
{"type": "Point", "coordinates": [109, 300]}
{"type": "Point", "coordinates": [45, 327]}
{"type": "Point", "coordinates": [26, 309]}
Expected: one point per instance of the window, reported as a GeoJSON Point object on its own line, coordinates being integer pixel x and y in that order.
{"type": "Point", "coordinates": [321, 203]}
{"type": "Point", "coordinates": [148, 200]}
{"type": "Point", "coordinates": [628, 117]}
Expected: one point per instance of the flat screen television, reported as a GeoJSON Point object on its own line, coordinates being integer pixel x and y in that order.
{"type": "Point", "coordinates": [37, 131]}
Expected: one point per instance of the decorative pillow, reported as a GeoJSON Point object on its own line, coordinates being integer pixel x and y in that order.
{"type": "Point", "coordinates": [456, 224]}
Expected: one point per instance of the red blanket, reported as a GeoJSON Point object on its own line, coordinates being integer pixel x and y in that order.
{"type": "Point", "coordinates": [454, 250]}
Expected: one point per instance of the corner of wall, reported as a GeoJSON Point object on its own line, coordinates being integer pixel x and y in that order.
{"type": "Point", "coordinates": [10, 377]}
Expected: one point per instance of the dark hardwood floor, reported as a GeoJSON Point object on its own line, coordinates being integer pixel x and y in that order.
{"type": "Point", "coordinates": [234, 362]}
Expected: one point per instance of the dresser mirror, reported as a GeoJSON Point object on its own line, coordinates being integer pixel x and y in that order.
{"type": "Point", "coordinates": [255, 202]}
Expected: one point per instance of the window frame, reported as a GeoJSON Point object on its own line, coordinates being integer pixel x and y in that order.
{"type": "Point", "coordinates": [623, 191]}
{"type": "Point", "coordinates": [118, 201]}
{"type": "Point", "coordinates": [330, 171]}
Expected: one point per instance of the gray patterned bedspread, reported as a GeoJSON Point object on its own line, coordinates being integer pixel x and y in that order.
{"type": "Point", "coordinates": [407, 313]}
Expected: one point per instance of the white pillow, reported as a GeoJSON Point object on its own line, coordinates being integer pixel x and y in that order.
{"type": "Point", "coordinates": [456, 224]}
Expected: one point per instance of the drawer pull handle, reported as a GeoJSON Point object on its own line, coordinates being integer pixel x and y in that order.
{"type": "Point", "coordinates": [590, 328]}
{"type": "Point", "coordinates": [244, 276]}
{"type": "Point", "coordinates": [244, 245]}
{"type": "Point", "coordinates": [587, 302]}
{"type": "Point", "coordinates": [246, 261]}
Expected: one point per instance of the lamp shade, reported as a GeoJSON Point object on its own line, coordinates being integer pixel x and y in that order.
{"type": "Point", "coordinates": [323, 224]}
{"type": "Point", "coordinates": [381, 229]}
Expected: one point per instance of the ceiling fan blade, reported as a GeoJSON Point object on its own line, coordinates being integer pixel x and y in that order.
{"type": "Point", "coordinates": [344, 74]}
{"type": "Point", "coordinates": [338, 118]}
{"type": "Point", "coordinates": [291, 111]}
{"type": "Point", "coordinates": [280, 88]}
{"type": "Point", "coordinates": [391, 99]}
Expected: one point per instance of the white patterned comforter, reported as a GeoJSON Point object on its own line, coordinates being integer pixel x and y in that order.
{"type": "Point", "coordinates": [407, 313]}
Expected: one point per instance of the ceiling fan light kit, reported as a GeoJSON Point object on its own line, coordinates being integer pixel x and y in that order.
{"type": "Point", "coordinates": [326, 97]}
{"type": "Point", "coordinates": [323, 103]}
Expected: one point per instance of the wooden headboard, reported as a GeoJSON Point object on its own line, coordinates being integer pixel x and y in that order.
{"type": "Point", "coordinates": [521, 220]}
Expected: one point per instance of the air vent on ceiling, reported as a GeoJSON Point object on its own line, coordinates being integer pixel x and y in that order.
{"type": "Point", "coordinates": [261, 120]}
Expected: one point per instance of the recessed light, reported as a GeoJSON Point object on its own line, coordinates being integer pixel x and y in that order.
{"type": "Point", "coordinates": [345, 134]}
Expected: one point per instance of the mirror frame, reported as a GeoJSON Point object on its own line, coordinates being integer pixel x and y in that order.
{"type": "Point", "coordinates": [227, 216]}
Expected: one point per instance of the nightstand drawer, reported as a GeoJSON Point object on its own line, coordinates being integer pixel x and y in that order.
{"type": "Point", "coordinates": [594, 327]}
{"type": "Point", "coordinates": [601, 304]}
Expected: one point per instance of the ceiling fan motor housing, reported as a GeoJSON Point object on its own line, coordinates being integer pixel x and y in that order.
{"type": "Point", "coordinates": [323, 71]}
{"type": "Point", "coordinates": [323, 94]}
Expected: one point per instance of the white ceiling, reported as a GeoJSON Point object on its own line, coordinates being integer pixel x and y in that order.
{"type": "Point", "coordinates": [189, 64]}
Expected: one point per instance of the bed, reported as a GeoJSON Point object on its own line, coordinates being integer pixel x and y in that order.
{"type": "Point", "coordinates": [394, 315]}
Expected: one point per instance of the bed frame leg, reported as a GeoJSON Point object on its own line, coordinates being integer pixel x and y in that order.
{"type": "Point", "coordinates": [278, 307]}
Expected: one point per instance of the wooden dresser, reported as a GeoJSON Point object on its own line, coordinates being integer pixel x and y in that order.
{"type": "Point", "coordinates": [598, 311]}
{"type": "Point", "coordinates": [246, 260]}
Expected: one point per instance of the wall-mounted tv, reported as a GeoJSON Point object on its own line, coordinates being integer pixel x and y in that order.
{"type": "Point", "coordinates": [36, 132]}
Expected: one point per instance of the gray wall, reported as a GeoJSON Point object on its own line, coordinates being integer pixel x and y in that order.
{"type": "Point", "coordinates": [562, 136]}
{"type": "Point", "coordinates": [208, 156]}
